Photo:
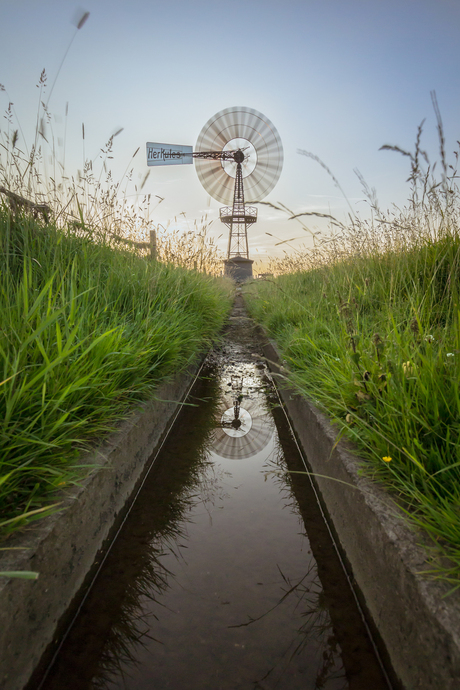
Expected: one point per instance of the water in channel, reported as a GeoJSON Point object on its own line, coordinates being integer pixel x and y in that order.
{"type": "Point", "coordinates": [224, 576]}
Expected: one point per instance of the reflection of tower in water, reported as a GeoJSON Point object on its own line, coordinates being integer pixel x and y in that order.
{"type": "Point", "coordinates": [244, 428]}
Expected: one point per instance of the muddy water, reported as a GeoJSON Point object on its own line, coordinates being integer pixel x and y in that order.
{"type": "Point", "coordinates": [224, 576]}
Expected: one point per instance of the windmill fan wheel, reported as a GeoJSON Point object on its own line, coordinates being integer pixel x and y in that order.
{"type": "Point", "coordinates": [253, 133]}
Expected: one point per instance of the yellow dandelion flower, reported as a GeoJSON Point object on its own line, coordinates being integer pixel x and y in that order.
{"type": "Point", "coordinates": [386, 458]}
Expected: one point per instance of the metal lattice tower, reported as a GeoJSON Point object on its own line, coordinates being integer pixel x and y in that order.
{"type": "Point", "coordinates": [239, 216]}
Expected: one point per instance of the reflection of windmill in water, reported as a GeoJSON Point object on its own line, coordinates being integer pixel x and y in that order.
{"type": "Point", "coordinates": [242, 431]}
{"type": "Point", "coordinates": [238, 158]}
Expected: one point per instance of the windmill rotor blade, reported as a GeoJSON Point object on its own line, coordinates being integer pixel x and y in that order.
{"type": "Point", "coordinates": [209, 171]}
{"type": "Point", "coordinates": [248, 125]}
{"type": "Point", "coordinates": [226, 124]}
{"type": "Point", "coordinates": [221, 183]}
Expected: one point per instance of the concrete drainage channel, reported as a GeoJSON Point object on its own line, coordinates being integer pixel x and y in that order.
{"type": "Point", "coordinates": [415, 629]}
{"type": "Point", "coordinates": [67, 547]}
{"type": "Point", "coordinates": [416, 619]}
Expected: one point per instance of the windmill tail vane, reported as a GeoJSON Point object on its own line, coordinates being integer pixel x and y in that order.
{"type": "Point", "coordinates": [238, 154]}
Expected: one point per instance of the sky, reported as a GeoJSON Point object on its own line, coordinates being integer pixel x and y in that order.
{"type": "Point", "coordinates": [337, 78]}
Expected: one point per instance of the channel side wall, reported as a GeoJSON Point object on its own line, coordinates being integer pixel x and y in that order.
{"type": "Point", "coordinates": [418, 624]}
{"type": "Point", "coordinates": [64, 546]}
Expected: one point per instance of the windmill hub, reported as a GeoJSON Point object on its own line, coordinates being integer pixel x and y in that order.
{"type": "Point", "coordinates": [248, 161]}
{"type": "Point", "coordinates": [239, 156]}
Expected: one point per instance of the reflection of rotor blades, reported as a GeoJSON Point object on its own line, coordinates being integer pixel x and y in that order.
{"type": "Point", "coordinates": [247, 439]}
{"type": "Point", "coordinates": [253, 127]}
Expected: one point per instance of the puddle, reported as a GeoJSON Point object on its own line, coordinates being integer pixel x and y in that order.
{"type": "Point", "coordinates": [224, 576]}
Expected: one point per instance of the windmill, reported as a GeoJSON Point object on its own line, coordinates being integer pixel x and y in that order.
{"type": "Point", "coordinates": [238, 158]}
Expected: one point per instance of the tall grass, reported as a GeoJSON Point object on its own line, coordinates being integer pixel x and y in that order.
{"type": "Point", "coordinates": [87, 332]}
{"type": "Point", "coordinates": [368, 321]}
{"type": "Point", "coordinates": [118, 212]}
{"type": "Point", "coordinates": [89, 325]}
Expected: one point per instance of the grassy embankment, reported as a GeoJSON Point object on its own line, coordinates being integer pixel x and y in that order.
{"type": "Point", "coordinates": [369, 325]}
{"type": "Point", "coordinates": [88, 332]}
